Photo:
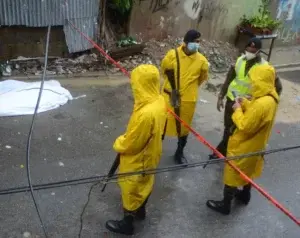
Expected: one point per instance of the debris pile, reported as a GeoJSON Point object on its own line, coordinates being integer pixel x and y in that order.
{"type": "Point", "coordinates": [56, 66]}
{"type": "Point", "coordinates": [219, 54]}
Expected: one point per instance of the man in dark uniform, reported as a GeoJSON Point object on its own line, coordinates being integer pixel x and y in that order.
{"type": "Point", "coordinates": [237, 83]}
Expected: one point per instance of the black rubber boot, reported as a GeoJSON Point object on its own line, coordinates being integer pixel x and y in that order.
{"type": "Point", "coordinates": [179, 156]}
{"type": "Point", "coordinates": [210, 157]}
{"type": "Point", "coordinates": [213, 156]}
{"type": "Point", "coordinates": [141, 213]}
{"type": "Point", "coordinates": [224, 206]}
{"type": "Point", "coordinates": [221, 148]}
{"type": "Point", "coordinates": [244, 195]}
{"type": "Point", "coordinates": [124, 226]}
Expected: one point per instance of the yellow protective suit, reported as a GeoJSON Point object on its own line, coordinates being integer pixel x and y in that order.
{"type": "Point", "coordinates": [254, 122]}
{"type": "Point", "coordinates": [193, 72]}
{"type": "Point", "coordinates": [140, 147]}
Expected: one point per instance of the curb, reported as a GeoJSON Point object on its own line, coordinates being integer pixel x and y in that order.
{"type": "Point", "coordinates": [286, 66]}
{"type": "Point", "coordinates": [97, 75]}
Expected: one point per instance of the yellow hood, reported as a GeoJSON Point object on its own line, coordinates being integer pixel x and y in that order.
{"type": "Point", "coordinates": [263, 81]}
{"type": "Point", "coordinates": [145, 84]}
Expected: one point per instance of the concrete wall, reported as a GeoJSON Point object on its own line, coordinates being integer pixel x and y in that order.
{"type": "Point", "coordinates": [30, 42]}
{"type": "Point", "coordinates": [289, 12]}
{"type": "Point", "coordinates": [216, 19]}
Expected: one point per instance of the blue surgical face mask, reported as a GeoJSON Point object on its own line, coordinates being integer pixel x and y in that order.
{"type": "Point", "coordinates": [193, 46]}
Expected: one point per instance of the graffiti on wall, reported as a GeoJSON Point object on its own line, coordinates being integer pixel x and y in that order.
{"type": "Point", "coordinates": [158, 5]}
{"type": "Point", "coordinates": [289, 13]}
{"type": "Point", "coordinates": [213, 8]}
{"type": "Point", "coordinates": [192, 8]}
{"type": "Point", "coordinates": [204, 9]}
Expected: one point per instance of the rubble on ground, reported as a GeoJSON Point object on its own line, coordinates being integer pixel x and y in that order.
{"type": "Point", "coordinates": [219, 54]}
{"type": "Point", "coordinates": [214, 84]}
{"type": "Point", "coordinates": [56, 66]}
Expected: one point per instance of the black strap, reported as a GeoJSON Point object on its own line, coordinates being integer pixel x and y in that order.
{"type": "Point", "coordinates": [275, 99]}
{"type": "Point", "coordinates": [167, 92]}
{"type": "Point", "coordinates": [177, 109]}
{"type": "Point", "coordinates": [165, 130]}
{"type": "Point", "coordinates": [178, 70]}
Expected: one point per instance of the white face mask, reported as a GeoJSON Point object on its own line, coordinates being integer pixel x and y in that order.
{"type": "Point", "coordinates": [193, 47]}
{"type": "Point", "coordinates": [249, 55]}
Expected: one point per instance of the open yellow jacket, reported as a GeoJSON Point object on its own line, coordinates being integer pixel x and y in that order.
{"type": "Point", "coordinates": [141, 146]}
{"type": "Point", "coordinates": [193, 72]}
{"type": "Point", "coordinates": [254, 122]}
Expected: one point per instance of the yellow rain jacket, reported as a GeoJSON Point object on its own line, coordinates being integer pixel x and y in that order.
{"type": "Point", "coordinates": [140, 147]}
{"type": "Point", "coordinates": [254, 122]}
{"type": "Point", "coordinates": [193, 72]}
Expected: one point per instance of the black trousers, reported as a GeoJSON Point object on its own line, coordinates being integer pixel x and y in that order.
{"type": "Point", "coordinates": [142, 207]}
{"type": "Point", "coordinates": [228, 124]}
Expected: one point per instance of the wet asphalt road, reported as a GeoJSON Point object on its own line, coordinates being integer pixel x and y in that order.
{"type": "Point", "coordinates": [88, 127]}
{"type": "Point", "coordinates": [292, 76]}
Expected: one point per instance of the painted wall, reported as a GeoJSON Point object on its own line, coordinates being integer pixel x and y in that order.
{"type": "Point", "coordinates": [216, 19]}
{"type": "Point", "coordinates": [289, 12]}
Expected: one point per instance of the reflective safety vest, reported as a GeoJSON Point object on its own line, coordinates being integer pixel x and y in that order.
{"type": "Point", "coordinates": [241, 85]}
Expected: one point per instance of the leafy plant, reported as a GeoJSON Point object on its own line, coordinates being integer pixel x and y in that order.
{"type": "Point", "coordinates": [123, 5]}
{"type": "Point", "coordinates": [263, 19]}
{"type": "Point", "coordinates": [126, 41]}
{"type": "Point", "coordinates": [245, 21]}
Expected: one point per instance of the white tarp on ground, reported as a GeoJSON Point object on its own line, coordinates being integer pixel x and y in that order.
{"type": "Point", "coordinates": [19, 98]}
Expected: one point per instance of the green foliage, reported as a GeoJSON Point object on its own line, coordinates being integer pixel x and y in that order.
{"type": "Point", "coordinates": [126, 41]}
{"type": "Point", "coordinates": [262, 19]}
{"type": "Point", "coordinates": [123, 5]}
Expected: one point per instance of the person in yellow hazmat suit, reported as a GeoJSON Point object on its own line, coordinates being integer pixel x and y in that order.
{"type": "Point", "coordinates": [253, 120]}
{"type": "Point", "coordinates": [237, 81]}
{"type": "Point", "coordinates": [140, 147]}
{"type": "Point", "coordinates": [184, 70]}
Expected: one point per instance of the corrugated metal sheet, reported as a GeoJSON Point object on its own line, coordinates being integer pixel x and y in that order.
{"type": "Point", "coordinates": [41, 13]}
{"type": "Point", "coordinates": [77, 42]}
